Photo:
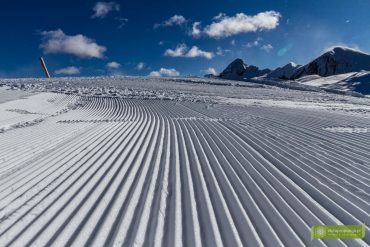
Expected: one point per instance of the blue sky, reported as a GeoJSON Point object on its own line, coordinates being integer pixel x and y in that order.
{"type": "Point", "coordinates": [163, 37]}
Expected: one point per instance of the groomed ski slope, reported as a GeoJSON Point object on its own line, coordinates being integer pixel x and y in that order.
{"type": "Point", "coordinates": [123, 172]}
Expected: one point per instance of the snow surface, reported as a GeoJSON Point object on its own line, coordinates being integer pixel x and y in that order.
{"type": "Point", "coordinates": [349, 82]}
{"type": "Point", "coordinates": [180, 162]}
{"type": "Point", "coordinates": [8, 94]}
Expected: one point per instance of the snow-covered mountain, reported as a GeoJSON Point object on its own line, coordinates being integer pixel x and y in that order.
{"type": "Point", "coordinates": [238, 70]}
{"type": "Point", "coordinates": [338, 60]}
{"type": "Point", "coordinates": [339, 69]}
{"type": "Point", "coordinates": [284, 72]}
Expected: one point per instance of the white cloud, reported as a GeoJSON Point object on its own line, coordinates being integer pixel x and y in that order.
{"type": "Point", "coordinates": [164, 72]}
{"type": "Point", "coordinates": [178, 52]}
{"type": "Point", "coordinates": [155, 74]}
{"type": "Point", "coordinates": [267, 48]}
{"type": "Point", "coordinates": [140, 66]}
{"type": "Point", "coordinates": [211, 71]}
{"type": "Point", "coordinates": [68, 71]}
{"type": "Point", "coordinates": [225, 26]}
{"type": "Point", "coordinates": [79, 45]}
{"type": "Point", "coordinates": [101, 9]}
{"type": "Point", "coordinates": [221, 52]}
{"type": "Point", "coordinates": [174, 20]}
{"type": "Point", "coordinates": [195, 31]}
{"type": "Point", "coordinates": [257, 43]}
{"type": "Point", "coordinates": [254, 43]}
{"type": "Point", "coordinates": [183, 51]}
{"type": "Point", "coordinates": [122, 21]}
{"type": "Point", "coordinates": [196, 52]}
{"type": "Point", "coordinates": [113, 65]}
{"type": "Point", "coordinates": [331, 46]}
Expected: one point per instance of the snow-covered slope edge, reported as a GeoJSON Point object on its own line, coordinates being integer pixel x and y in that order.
{"type": "Point", "coordinates": [350, 82]}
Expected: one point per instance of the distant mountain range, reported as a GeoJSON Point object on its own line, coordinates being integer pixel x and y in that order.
{"type": "Point", "coordinates": [239, 70]}
{"type": "Point", "coordinates": [337, 61]}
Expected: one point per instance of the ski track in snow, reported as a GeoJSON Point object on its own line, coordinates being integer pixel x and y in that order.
{"type": "Point", "coordinates": [131, 172]}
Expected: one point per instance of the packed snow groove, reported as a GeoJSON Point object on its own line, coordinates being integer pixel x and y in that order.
{"type": "Point", "coordinates": [124, 172]}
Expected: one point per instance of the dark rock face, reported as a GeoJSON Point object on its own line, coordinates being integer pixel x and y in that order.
{"type": "Point", "coordinates": [238, 70]}
{"type": "Point", "coordinates": [339, 60]}
{"type": "Point", "coordinates": [284, 72]}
